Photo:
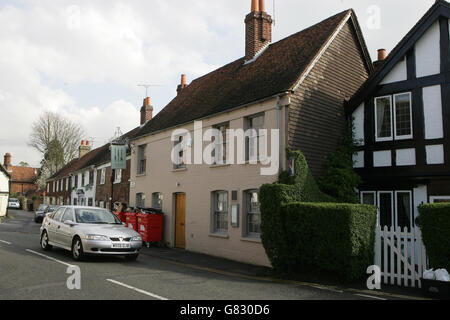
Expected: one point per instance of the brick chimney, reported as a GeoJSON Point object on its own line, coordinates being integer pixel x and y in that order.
{"type": "Point", "coordinates": [146, 111]}
{"type": "Point", "coordinates": [381, 57]}
{"type": "Point", "coordinates": [258, 29]}
{"type": "Point", "coordinates": [84, 149]}
{"type": "Point", "coordinates": [7, 161]}
{"type": "Point", "coordinates": [182, 84]}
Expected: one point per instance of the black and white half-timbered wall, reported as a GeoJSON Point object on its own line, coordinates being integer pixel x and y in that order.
{"type": "Point", "coordinates": [402, 123]}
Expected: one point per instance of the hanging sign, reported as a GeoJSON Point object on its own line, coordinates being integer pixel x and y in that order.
{"type": "Point", "coordinates": [118, 157]}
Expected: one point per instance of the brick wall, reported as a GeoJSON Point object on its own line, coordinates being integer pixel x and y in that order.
{"type": "Point", "coordinates": [121, 190]}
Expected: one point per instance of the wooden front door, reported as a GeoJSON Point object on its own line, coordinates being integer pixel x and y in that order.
{"type": "Point", "coordinates": [180, 221]}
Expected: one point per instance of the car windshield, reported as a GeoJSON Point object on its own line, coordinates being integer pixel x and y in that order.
{"type": "Point", "coordinates": [95, 216]}
{"type": "Point", "coordinates": [42, 207]}
{"type": "Point", "coordinates": [52, 208]}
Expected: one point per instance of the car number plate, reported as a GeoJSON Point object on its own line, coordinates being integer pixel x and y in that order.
{"type": "Point", "coordinates": [121, 245]}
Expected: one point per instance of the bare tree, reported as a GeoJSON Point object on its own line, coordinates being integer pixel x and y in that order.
{"type": "Point", "coordinates": [56, 138]}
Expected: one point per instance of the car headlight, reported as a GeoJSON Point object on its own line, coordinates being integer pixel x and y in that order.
{"type": "Point", "coordinates": [136, 238]}
{"type": "Point", "coordinates": [96, 237]}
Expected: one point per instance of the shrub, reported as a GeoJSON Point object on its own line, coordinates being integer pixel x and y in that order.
{"type": "Point", "coordinates": [337, 238]}
{"type": "Point", "coordinates": [435, 226]}
{"type": "Point", "coordinates": [300, 187]}
{"type": "Point", "coordinates": [307, 189]}
{"type": "Point", "coordinates": [339, 178]}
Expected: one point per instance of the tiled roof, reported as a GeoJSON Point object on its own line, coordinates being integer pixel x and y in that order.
{"type": "Point", "coordinates": [95, 157]}
{"type": "Point", "coordinates": [23, 174]}
{"type": "Point", "coordinates": [275, 71]}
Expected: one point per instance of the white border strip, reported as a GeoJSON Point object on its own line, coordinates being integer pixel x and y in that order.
{"type": "Point", "coordinates": [137, 290]}
{"type": "Point", "coordinates": [2, 241]}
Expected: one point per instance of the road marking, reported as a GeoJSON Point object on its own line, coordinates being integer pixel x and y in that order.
{"type": "Point", "coordinates": [2, 241]}
{"type": "Point", "coordinates": [137, 290]}
{"type": "Point", "coordinates": [50, 258]}
{"type": "Point", "coordinates": [292, 282]}
{"type": "Point", "coordinates": [367, 296]}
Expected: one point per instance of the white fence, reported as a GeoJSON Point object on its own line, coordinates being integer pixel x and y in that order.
{"type": "Point", "coordinates": [400, 255]}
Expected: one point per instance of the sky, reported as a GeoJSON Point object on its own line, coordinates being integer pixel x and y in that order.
{"type": "Point", "coordinates": [85, 59]}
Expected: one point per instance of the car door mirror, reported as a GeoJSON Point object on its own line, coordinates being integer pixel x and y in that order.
{"type": "Point", "coordinates": [69, 223]}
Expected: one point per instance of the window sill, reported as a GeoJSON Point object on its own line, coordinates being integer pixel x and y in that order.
{"type": "Point", "coordinates": [141, 175]}
{"type": "Point", "coordinates": [251, 239]}
{"type": "Point", "coordinates": [219, 235]}
{"type": "Point", "coordinates": [179, 169]}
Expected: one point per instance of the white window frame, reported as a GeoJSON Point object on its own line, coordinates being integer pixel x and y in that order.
{"type": "Point", "coordinates": [411, 222]}
{"type": "Point", "coordinates": [394, 106]}
{"type": "Point", "coordinates": [117, 176]}
{"type": "Point", "coordinates": [157, 197]}
{"type": "Point", "coordinates": [434, 198]}
{"type": "Point", "coordinates": [391, 137]}
{"type": "Point", "coordinates": [374, 193]}
{"type": "Point", "coordinates": [102, 176]}
{"type": "Point", "coordinates": [392, 207]}
{"type": "Point", "coordinates": [141, 162]}
{"type": "Point", "coordinates": [246, 198]}
{"type": "Point", "coordinates": [221, 145]}
{"type": "Point", "coordinates": [215, 212]}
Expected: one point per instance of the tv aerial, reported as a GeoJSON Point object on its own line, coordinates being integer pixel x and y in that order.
{"type": "Point", "coordinates": [148, 86]}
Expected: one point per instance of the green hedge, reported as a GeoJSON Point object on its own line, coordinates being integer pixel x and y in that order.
{"type": "Point", "coordinates": [435, 226]}
{"type": "Point", "coordinates": [326, 235]}
{"type": "Point", "coordinates": [333, 237]}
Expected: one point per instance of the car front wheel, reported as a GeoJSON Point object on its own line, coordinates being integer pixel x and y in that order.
{"type": "Point", "coordinates": [77, 249]}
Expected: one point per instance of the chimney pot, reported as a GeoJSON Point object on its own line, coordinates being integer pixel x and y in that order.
{"type": "Point", "coordinates": [84, 149]}
{"type": "Point", "coordinates": [182, 84]}
{"type": "Point", "coordinates": [255, 5]}
{"type": "Point", "coordinates": [262, 6]}
{"type": "Point", "coordinates": [381, 54]}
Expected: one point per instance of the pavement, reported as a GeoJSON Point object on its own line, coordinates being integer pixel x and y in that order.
{"type": "Point", "coordinates": [27, 272]}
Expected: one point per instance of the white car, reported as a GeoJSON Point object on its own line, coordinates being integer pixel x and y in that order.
{"type": "Point", "coordinates": [14, 203]}
{"type": "Point", "coordinates": [89, 231]}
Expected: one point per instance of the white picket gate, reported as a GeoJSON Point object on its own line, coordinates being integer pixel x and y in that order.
{"type": "Point", "coordinates": [401, 256]}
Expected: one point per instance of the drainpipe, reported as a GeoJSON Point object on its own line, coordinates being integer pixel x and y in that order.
{"type": "Point", "coordinates": [279, 108]}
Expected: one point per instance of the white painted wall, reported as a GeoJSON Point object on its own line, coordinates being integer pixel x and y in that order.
{"type": "Point", "coordinates": [4, 182]}
{"type": "Point", "coordinates": [398, 73]}
{"type": "Point", "coordinates": [432, 107]}
{"type": "Point", "coordinates": [382, 159]}
{"type": "Point", "coordinates": [406, 157]}
{"type": "Point", "coordinates": [358, 116]}
{"type": "Point", "coordinates": [4, 192]}
{"type": "Point", "coordinates": [435, 154]}
{"type": "Point", "coordinates": [428, 54]}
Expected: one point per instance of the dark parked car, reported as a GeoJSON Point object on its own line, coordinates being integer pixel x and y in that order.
{"type": "Point", "coordinates": [42, 211]}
